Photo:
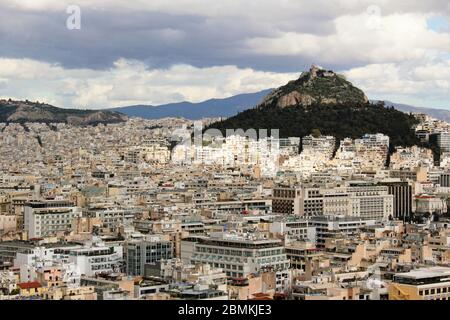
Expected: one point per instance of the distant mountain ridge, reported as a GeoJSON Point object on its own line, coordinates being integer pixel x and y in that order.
{"type": "Point", "coordinates": [27, 111]}
{"type": "Point", "coordinates": [440, 114]}
{"type": "Point", "coordinates": [212, 108]}
{"type": "Point", "coordinates": [231, 106]}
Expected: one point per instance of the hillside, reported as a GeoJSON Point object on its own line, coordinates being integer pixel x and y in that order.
{"type": "Point", "coordinates": [207, 109]}
{"type": "Point", "coordinates": [338, 120]}
{"type": "Point", "coordinates": [349, 115]}
{"type": "Point", "coordinates": [26, 111]}
{"type": "Point", "coordinates": [318, 86]}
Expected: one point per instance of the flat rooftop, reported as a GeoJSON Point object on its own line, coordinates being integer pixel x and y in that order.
{"type": "Point", "coordinates": [422, 273]}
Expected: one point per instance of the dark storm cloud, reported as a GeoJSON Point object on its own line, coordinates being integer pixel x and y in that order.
{"type": "Point", "coordinates": [159, 39]}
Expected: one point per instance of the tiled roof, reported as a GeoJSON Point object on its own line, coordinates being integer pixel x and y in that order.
{"type": "Point", "coordinates": [29, 285]}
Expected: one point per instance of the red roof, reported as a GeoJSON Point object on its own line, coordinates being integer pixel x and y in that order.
{"type": "Point", "coordinates": [29, 285]}
{"type": "Point", "coordinates": [260, 294]}
{"type": "Point", "coordinates": [261, 298]}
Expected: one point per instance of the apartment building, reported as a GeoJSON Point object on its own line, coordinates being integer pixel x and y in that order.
{"type": "Point", "coordinates": [286, 200]}
{"type": "Point", "coordinates": [240, 255]}
{"type": "Point", "coordinates": [430, 204]}
{"type": "Point", "coordinates": [48, 217]}
{"type": "Point", "coordinates": [112, 218]}
{"type": "Point", "coordinates": [96, 259]}
{"type": "Point", "coordinates": [357, 199]}
{"type": "Point", "coordinates": [442, 140]}
{"type": "Point", "coordinates": [295, 227]}
{"type": "Point", "coordinates": [150, 250]}
{"type": "Point", "coordinates": [322, 145]}
{"type": "Point", "coordinates": [261, 205]}
{"type": "Point", "coordinates": [431, 283]}
{"type": "Point", "coordinates": [369, 201]}
{"type": "Point", "coordinates": [330, 227]}
{"type": "Point", "coordinates": [301, 253]}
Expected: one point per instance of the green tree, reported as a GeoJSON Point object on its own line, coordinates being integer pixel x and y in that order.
{"type": "Point", "coordinates": [316, 133]}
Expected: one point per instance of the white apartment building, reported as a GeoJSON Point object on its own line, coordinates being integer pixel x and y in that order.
{"type": "Point", "coordinates": [373, 141]}
{"type": "Point", "coordinates": [370, 201]}
{"type": "Point", "coordinates": [29, 262]}
{"type": "Point", "coordinates": [296, 228]}
{"type": "Point", "coordinates": [373, 149]}
{"type": "Point", "coordinates": [323, 145]}
{"type": "Point", "coordinates": [329, 227]}
{"type": "Point", "coordinates": [112, 217]}
{"type": "Point", "coordinates": [240, 255]}
{"type": "Point", "coordinates": [96, 259]}
{"type": "Point", "coordinates": [430, 204]}
{"type": "Point", "coordinates": [48, 217]}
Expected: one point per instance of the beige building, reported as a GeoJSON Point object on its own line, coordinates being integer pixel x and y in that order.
{"type": "Point", "coordinates": [422, 284]}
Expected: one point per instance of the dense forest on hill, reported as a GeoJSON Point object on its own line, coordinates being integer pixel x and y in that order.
{"type": "Point", "coordinates": [338, 120]}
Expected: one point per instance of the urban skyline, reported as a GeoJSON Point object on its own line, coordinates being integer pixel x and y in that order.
{"type": "Point", "coordinates": [309, 191]}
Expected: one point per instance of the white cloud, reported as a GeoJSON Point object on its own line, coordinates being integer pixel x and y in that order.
{"type": "Point", "coordinates": [394, 38]}
{"type": "Point", "coordinates": [424, 85]}
{"type": "Point", "coordinates": [128, 82]}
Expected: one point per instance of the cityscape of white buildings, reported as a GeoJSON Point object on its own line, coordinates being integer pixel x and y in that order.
{"type": "Point", "coordinates": [132, 211]}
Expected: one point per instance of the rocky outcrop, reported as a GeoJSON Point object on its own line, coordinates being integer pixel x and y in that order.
{"type": "Point", "coordinates": [318, 86]}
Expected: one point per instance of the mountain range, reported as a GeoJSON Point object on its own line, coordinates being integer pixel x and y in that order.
{"type": "Point", "coordinates": [213, 108]}
{"type": "Point", "coordinates": [441, 114]}
{"type": "Point", "coordinates": [228, 107]}
{"type": "Point", "coordinates": [318, 86]}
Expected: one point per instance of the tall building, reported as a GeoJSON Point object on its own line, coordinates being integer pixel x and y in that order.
{"type": "Point", "coordinates": [442, 140]}
{"type": "Point", "coordinates": [286, 200]}
{"type": "Point", "coordinates": [140, 253]}
{"type": "Point", "coordinates": [444, 179]}
{"type": "Point", "coordinates": [48, 217]}
{"type": "Point", "coordinates": [403, 198]}
{"type": "Point", "coordinates": [369, 201]}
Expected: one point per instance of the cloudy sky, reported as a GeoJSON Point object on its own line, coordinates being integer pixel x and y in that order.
{"type": "Point", "coordinates": [159, 51]}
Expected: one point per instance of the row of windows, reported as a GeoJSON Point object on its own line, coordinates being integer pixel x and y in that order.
{"type": "Point", "coordinates": [54, 222]}
{"type": "Point", "coordinates": [267, 260]}
{"type": "Point", "coordinates": [228, 266]}
{"type": "Point", "coordinates": [56, 216]}
{"type": "Point", "coordinates": [434, 291]}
